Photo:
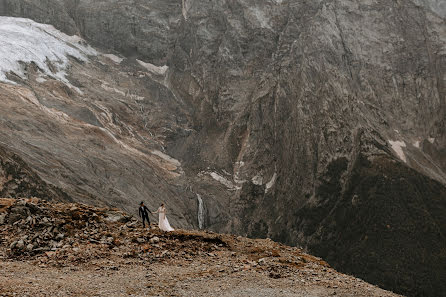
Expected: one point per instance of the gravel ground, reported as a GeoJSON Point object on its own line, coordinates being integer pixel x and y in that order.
{"type": "Point", "coordinates": [120, 278]}
{"type": "Point", "coordinates": [77, 250]}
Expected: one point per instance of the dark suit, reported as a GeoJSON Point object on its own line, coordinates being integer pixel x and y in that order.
{"type": "Point", "coordinates": [144, 214]}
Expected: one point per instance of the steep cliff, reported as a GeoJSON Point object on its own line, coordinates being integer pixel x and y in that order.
{"type": "Point", "coordinates": [319, 123]}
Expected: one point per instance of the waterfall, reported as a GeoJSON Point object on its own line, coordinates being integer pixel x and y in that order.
{"type": "Point", "coordinates": [200, 215]}
{"type": "Point", "coordinates": [185, 9]}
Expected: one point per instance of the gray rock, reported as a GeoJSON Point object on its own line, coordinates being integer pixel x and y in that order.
{"type": "Point", "coordinates": [115, 216]}
{"type": "Point", "coordinates": [154, 240]}
{"type": "Point", "coordinates": [20, 244]}
{"type": "Point", "coordinates": [46, 221]}
{"type": "Point", "coordinates": [2, 218]}
{"type": "Point", "coordinates": [59, 236]}
{"type": "Point", "coordinates": [13, 245]}
{"type": "Point", "coordinates": [53, 244]}
{"type": "Point", "coordinates": [29, 220]}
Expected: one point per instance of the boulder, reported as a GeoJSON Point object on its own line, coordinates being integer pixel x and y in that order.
{"type": "Point", "coordinates": [60, 236]}
{"type": "Point", "coordinates": [20, 244]}
{"type": "Point", "coordinates": [154, 240]}
{"type": "Point", "coordinates": [116, 216]}
{"type": "Point", "coordinates": [17, 213]}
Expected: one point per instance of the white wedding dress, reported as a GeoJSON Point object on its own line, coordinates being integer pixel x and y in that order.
{"type": "Point", "coordinates": [163, 223]}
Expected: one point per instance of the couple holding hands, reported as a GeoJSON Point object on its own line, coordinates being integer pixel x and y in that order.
{"type": "Point", "coordinates": [163, 223]}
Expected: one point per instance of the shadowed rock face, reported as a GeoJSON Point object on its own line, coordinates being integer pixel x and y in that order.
{"type": "Point", "coordinates": [18, 180]}
{"type": "Point", "coordinates": [317, 123]}
{"type": "Point", "coordinates": [378, 224]}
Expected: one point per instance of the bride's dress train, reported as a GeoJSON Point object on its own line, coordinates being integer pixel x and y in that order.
{"type": "Point", "coordinates": [163, 223]}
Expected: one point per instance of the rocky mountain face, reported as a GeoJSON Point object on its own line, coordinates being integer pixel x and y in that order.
{"type": "Point", "coordinates": [315, 123]}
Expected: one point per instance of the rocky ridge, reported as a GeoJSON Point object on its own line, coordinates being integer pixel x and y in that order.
{"type": "Point", "coordinates": [64, 240]}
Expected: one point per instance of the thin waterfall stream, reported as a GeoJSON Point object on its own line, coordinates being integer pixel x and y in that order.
{"type": "Point", "coordinates": [200, 214]}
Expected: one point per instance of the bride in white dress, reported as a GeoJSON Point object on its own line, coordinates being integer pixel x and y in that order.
{"type": "Point", "coordinates": [163, 223]}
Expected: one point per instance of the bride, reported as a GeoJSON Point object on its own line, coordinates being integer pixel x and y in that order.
{"type": "Point", "coordinates": [163, 222]}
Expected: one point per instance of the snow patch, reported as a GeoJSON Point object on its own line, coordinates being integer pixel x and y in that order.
{"type": "Point", "coordinates": [159, 70]}
{"type": "Point", "coordinates": [167, 158]}
{"type": "Point", "coordinates": [222, 180]}
{"type": "Point", "coordinates": [136, 97]}
{"type": "Point", "coordinates": [40, 79]}
{"type": "Point", "coordinates": [114, 58]}
{"type": "Point", "coordinates": [416, 144]}
{"type": "Point", "coordinates": [397, 146]}
{"type": "Point", "coordinates": [271, 183]}
{"type": "Point", "coordinates": [431, 140]}
{"type": "Point", "coordinates": [240, 164]}
{"type": "Point", "coordinates": [25, 41]}
{"type": "Point", "coordinates": [111, 89]}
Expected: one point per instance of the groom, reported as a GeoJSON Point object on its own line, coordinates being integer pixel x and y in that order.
{"type": "Point", "coordinates": [144, 214]}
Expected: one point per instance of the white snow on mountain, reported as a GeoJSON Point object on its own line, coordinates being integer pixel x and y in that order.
{"type": "Point", "coordinates": [159, 70]}
{"type": "Point", "coordinates": [23, 41]}
{"type": "Point", "coordinates": [167, 158]}
{"type": "Point", "coordinates": [271, 183]}
{"type": "Point", "coordinates": [397, 146]}
{"type": "Point", "coordinates": [114, 58]}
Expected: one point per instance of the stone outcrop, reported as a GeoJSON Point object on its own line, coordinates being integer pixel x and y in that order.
{"type": "Point", "coordinates": [292, 120]}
